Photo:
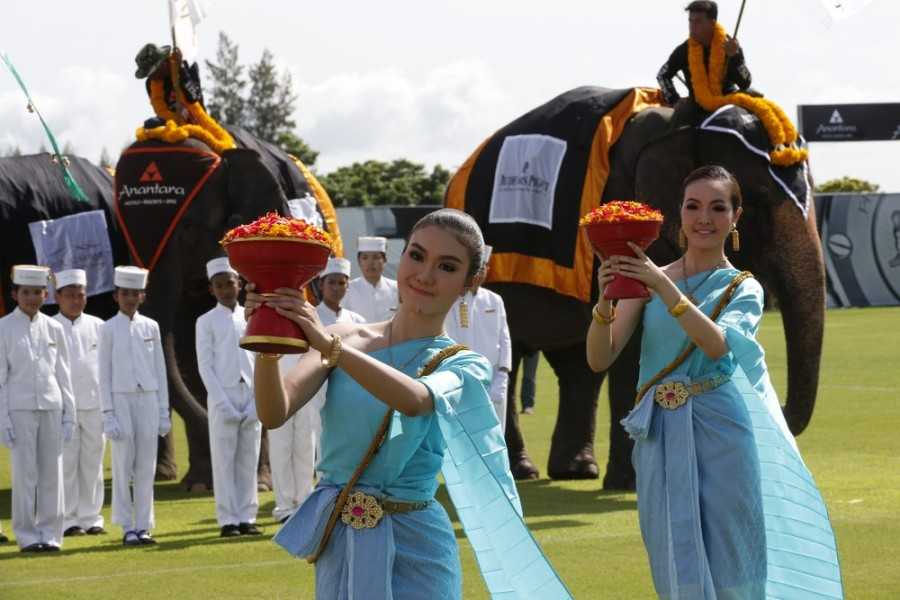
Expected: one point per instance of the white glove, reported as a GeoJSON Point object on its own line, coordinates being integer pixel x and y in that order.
{"type": "Point", "coordinates": [8, 436]}
{"type": "Point", "coordinates": [165, 422]}
{"type": "Point", "coordinates": [111, 425]}
{"type": "Point", "coordinates": [499, 385]}
{"type": "Point", "coordinates": [68, 429]}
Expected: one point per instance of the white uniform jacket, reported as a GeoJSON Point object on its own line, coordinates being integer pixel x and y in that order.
{"type": "Point", "coordinates": [374, 303]}
{"type": "Point", "coordinates": [221, 361]}
{"type": "Point", "coordinates": [83, 337]}
{"type": "Point", "coordinates": [34, 366]}
{"type": "Point", "coordinates": [131, 359]}
{"type": "Point", "coordinates": [488, 332]}
{"type": "Point", "coordinates": [329, 317]}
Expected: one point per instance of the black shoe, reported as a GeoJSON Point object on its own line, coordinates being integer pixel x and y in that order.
{"type": "Point", "coordinates": [249, 529]}
{"type": "Point", "coordinates": [3, 538]}
{"type": "Point", "coordinates": [38, 547]}
{"type": "Point", "coordinates": [230, 531]}
{"type": "Point", "coordinates": [145, 538]}
{"type": "Point", "coordinates": [50, 548]}
{"type": "Point", "coordinates": [95, 530]}
{"type": "Point", "coordinates": [73, 531]}
{"type": "Point", "coordinates": [131, 539]}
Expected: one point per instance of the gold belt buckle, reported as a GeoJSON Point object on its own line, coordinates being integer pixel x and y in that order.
{"type": "Point", "coordinates": [361, 511]}
{"type": "Point", "coordinates": [671, 395]}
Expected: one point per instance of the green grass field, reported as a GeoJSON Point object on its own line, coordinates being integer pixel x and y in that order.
{"type": "Point", "coordinates": [591, 537]}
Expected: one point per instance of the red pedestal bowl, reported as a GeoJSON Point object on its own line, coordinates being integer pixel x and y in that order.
{"type": "Point", "coordinates": [610, 239]}
{"type": "Point", "coordinates": [272, 263]}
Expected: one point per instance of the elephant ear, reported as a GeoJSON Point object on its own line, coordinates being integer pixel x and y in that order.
{"type": "Point", "coordinates": [251, 189]}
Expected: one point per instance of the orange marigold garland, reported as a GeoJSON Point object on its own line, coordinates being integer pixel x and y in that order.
{"type": "Point", "coordinates": [276, 226]}
{"type": "Point", "coordinates": [619, 211]}
{"type": "Point", "coordinates": [707, 87]}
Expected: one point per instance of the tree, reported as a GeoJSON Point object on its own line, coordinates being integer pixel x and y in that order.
{"type": "Point", "coordinates": [271, 101]}
{"type": "Point", "coordinates": [847, 185]}
{"type": "Point", "coordinates": [14, 151]}
{"type": "Point", "coordinates": [105, 160]}
{"type": "Point", "coordinates": [226, 99]}
{"type": "Point", "coordinates": [293, 144]}
{"type": "Point", "coordinates": [378, 183]}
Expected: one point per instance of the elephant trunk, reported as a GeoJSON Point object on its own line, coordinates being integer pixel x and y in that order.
{"type": "Point", "coordinates": [798, 279]}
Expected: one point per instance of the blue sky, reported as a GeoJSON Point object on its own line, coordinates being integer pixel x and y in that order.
{"type": "Point", "coordinates": [429, 80]}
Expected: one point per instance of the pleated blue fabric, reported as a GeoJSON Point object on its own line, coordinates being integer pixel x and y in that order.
{"type": "Point", "coordinates": [414, 555]}
{"type": "Point", "coordinates": [727, 507]}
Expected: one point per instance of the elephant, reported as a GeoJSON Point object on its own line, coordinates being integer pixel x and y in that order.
{"type": "Point", "coordinates": [779, 244]}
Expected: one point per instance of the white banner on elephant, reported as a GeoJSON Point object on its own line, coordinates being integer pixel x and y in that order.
{"type": "Point", "coordinates": [79, 241]}
{"type": "Point", "coordinates": [843, 9]}
{"type": "Point", "coordinates": [184, 17]}
{"type": "Point", "coordinates": [525, 180]}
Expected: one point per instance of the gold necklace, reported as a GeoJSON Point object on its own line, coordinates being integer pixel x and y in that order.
{"type": "Point", "coordinates": [684, 277]}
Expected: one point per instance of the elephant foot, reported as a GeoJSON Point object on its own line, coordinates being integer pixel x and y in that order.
{"type": "Point", "coordinates": [166, 472]}
{"type": "Point", "coordinates": [580, 466]}
{"type": "Point", "coordinates": [619, 480]}
{"type": "Point", "coordinates": [523, 469]}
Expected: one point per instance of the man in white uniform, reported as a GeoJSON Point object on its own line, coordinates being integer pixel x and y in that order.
{"type": "Point", "coordinates": [293, 446]}
{"type": "Point", "coordinates": [83, 454]}
{"type": "Point", "coordinates": [234, 430]}
{"type": "Point", "coordinates": [372, 296]}
{"type": "Point", "coordinates": [486, 332]}
{"type": "Point", "coordinates": [37, 411]}
{"type": "Point", "coordinates": [134, 395]}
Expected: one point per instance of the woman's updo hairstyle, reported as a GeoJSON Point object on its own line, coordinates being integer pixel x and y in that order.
{"type": "Point", "coordinates": [715, 173]}
{"type": "Point", "coordinates": [464, 229]}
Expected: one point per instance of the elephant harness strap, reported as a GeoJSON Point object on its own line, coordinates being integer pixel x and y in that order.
{"type": "Point", "coordinates": [679, 360]}
{"type": "Point", "coordinates": [375, 511]}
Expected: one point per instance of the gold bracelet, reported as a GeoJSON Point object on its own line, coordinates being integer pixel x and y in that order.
{"type": "Point", "coordinates": [680, 307]}
{"type": "Point", "coordinates": [269, 355]}
{"type": "Point", "coordinates": [334, 353]}
{"type": "Point", "coordinates": [603, 319]}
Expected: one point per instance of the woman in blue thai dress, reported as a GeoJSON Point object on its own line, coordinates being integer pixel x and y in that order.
{"type": "Point", "coordinates": [391, 540]}
{"type": "Point", "coordinates": [727, 508]}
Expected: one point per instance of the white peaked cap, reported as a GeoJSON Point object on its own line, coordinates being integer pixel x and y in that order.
{"type": "Point", "coordinates": [131, 278]}
{"type": "Point", "coordinates": [70, 277]}
{"type": "Point", "coordinates": [218, 265]}
{"type": "Point", "coordinates": [32, 275]}
{"type": "Point", "coordinates": [336, 266]}
{"type": "Point", "coordinates": [486, 254]}
{"type": "Point", "coordinates": [371, 244]}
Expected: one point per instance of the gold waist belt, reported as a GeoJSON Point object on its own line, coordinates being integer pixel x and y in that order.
{"type": "Point", "coordinates": [363, 511]}
{"type": "Point", "coordinates": [674, 394]}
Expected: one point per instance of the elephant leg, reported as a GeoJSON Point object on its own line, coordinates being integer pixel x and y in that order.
{"type": "Point", "coordinates": [623, 377]}
{"type": "Point", "coordinates": [263, 471]}
{"type": "Point", "coordinates": [572, 446]}
{"type": "Point", "coordinates": [166, 467]}
{"type": "Point", "coordinates": [519, 463]}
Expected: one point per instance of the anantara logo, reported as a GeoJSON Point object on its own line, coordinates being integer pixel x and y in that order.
{"type": "Point", "coordinates": [524, 181]}
{"type": "Point", "coordinates": [151, 174]}
{"type": "Point", "coordinates": [836, 128]}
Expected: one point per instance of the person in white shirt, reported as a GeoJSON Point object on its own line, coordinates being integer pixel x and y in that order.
{"type": "Point", "coordinates": [83, 454]}
{"type": "Point", "coordinates": [234, 431]}
{"type": "Point", "coordinates": [372, 296]}
{"type": "Point", "coordinates": [293, 446]}
{"type": "Point", "coordinates": [134, 396]}
{"type": "Point", "coordinates": [37, 411]}
{"type": "Point", "coordinates": [478, 320]}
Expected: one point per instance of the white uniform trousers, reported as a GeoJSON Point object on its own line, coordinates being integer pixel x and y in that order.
{"type": "Point", "coordinates": [83, 471]}
{"type": "Point", "coordinates": [134, 459]}
{"type": "Point", "coordinates": [37, 488]}
{"type": "Point", "coordinates": [235, 455]}
{"type": "Point", "coordinates": [292, 457]}
{"type": "Point", "coordinates": [500, 409]}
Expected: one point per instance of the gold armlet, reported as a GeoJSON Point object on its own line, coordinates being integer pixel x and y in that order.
{"type": "Point", "coordinates": [602, 319]}
{"type": "Point", "coordinates": [334, 353]}
{"type": "Point", "coordinates": [680, 307]}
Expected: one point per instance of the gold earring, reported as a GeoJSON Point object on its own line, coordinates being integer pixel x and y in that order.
{"type": "Point", "coordinates": [464, 312]}
{"type": "Point", "coordinates": [735, 238]}
{"type": "Point", "coordinates": [682, 239]}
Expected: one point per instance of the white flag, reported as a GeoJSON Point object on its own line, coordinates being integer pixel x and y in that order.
{"type": "Point", "coordinates": [841, 9]}
{"type": "Point", "coordinates": [184, 16]}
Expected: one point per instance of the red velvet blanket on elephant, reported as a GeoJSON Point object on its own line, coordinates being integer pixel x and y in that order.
{"type": "Point", "coordinates": [155, 184]}
{"type": "Point", "coordinates": [529, 184]}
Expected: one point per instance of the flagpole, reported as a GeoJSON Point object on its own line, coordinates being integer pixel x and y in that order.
{"type": "Point", "coordinates": [740, 16]}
